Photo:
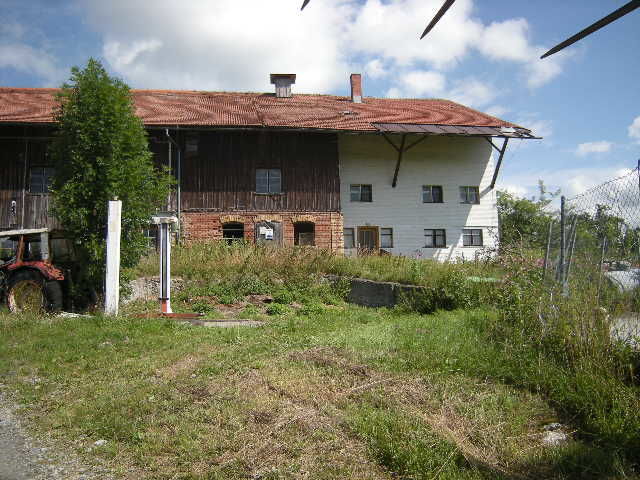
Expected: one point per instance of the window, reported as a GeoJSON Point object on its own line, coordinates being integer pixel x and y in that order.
{"type": "Point", "coordinates": [268, 180]}
{"type": "Point", "coordinates": [8, 248]}
{"type": "Point", "coordinates": [434, 238]}
{"type": "Point", "coordinates": [40, 179]}
{"type": "Point", "coordinates": [232, 231]}
{"type": "Point", "coordinates": [349, 241]}
{"type": "Point", "coordinates": [361, 193]}
{"type": "Point", "coordinates": [472, 237]}
{"type": "Point", "coordinates": [431, 194]}
{"type": "Point", "coordinates": [469, 195]}
{"type": "Point", "coordinates": [304, 233]}
{"type": "Point", "coordinates": [386, 238]}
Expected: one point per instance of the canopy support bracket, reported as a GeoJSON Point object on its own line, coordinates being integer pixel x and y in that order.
{"type": "Point", "coordinates": [401, 150]}
{"type": "Point", "coordinates": [500, 157]}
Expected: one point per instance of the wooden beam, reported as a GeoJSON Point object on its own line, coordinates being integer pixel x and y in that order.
{"type": "Point", "coordinates": [411, 145]}
{"type": "Point", "coordinates": [495, 174]}
{"type": "Point", "coordinates": [304, 4]}
{"type": "Point", "coordinates": [447, 4]}
{"type": "Point", "coordinates": [622, 11]}
{"type": "Point", "coordinates": [400, 152]}
{"type": "Point", "coordinates": [384, 135]}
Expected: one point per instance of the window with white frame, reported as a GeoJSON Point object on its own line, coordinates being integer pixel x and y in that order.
{"type": "Point", "coordinates": [431, 194]}
{"type": "Point", "coordinates": [361, 193]}
{"type": "Point", "coordinates": [349, 239]}
{"type": "Point", "coordinates": [268, 180]}
{"type": "Point", "coordinates": [435, 238]}
{"type": "Point", "coordinates": [469, 195]}
{"type": "Point", "coordinates": [386, 238]}
{"type": "Point", "coordinates": [472, 237]}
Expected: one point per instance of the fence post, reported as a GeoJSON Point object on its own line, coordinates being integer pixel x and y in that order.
{"type": "Point", "coordinates": [112, 280]}
{"type": "Point", "coordinates": [548, 250]}
{"type": "Point", "coordinates": [563, 234]}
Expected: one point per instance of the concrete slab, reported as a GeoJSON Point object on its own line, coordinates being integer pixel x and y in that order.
{"type": "Point", "coordinates": [225, 323]}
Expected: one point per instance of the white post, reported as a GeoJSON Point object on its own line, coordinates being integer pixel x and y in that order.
{"type": "Point", "coordinates": [112, 284]}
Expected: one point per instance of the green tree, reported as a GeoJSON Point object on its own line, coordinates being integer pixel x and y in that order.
{"type": "Point", "coordinates": [525, 221]}
{"type": "Point", "coordinates": [100, 152]}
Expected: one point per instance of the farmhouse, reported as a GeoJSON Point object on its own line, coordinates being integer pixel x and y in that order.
{"type": "Point", "coordinates": [408, 176]}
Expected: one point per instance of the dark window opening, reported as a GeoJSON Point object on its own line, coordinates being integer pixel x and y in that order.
{"type": "Point", "coordinates": [233, 231]}
{"type": "Point", "coordinates": [469, 195]}
{"type": "Point", "coordinates": [386, 238]}
{"type": "Point", "coordinates": [349, 240]}
{"type": "Point", "coordinates": [361, 193]}
{"type": "Point", "coordinates": [304, 233]}
{"type": "Point", "coordinates": [8, 248]}
{"type": "Point", "coordinates": [268, 180]}
{"type": "Point", "coordinates": [472, 237]}
{"type": "Point", "coordinates": [431, 194]}
{"type": "Point", "coordinates": [40, 179]}
{"type": "Point", "coordinates": [435, 238]}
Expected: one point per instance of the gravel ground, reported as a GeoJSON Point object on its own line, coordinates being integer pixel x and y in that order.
{"type": "Point", "coordinates": [23, 457]}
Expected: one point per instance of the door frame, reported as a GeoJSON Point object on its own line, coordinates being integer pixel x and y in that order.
{"type": "Point", "coordinates": [376, 236]}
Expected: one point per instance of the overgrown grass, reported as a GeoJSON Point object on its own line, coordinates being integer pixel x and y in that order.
{"type": "Point", "coordinates": [327, 390]}
{"type": "Point", "coordinates": [347, 393]}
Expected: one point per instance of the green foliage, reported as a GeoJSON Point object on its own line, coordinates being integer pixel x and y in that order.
{"type": "Point", "coordinates": [278, 309]}
{"type": "Point", "coordinates": [524, 221]}
{"type": "Point", "coordinates": [100, 152]}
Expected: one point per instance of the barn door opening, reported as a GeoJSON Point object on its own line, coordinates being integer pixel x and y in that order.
{"type": "Point", "coordinates": [304, 233]}
{"type": "Point", "coordinates": [269, 233]}
{"type": "Point", "coordinates": [232, 231]}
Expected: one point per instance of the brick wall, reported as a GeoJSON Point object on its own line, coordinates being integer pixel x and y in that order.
{"type": "Point", "coordinates": [328, 226]}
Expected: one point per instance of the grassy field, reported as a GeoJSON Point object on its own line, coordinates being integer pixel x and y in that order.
{"type": "Point", "coordinates": [456, 383]}
{"type": "Point", "coordinates": [343, 393]}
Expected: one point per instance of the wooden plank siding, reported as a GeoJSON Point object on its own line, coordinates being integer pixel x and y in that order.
{"type": "Point", "coordinates": [222, 175]}
{"type": "Point", "coordinates": [219, 177]}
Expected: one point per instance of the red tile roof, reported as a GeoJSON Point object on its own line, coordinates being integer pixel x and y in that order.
{"type": "Point", "coordinates": [230, 109]}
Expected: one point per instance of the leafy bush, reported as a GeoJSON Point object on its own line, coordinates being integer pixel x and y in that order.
{"type": "Point", "coordinates": [278, 309]}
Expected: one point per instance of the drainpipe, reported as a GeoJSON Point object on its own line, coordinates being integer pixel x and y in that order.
{"type": "Point", "coordinates": [179, 178]}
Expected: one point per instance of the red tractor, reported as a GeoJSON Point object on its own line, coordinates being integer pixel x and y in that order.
{"type": "Point", "coordinates": [29, 281]}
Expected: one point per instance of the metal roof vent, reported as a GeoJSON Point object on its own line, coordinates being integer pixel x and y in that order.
{"type": "Point", "coordinates": [283, 82]}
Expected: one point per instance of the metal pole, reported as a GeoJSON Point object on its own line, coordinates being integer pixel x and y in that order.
{"type": "Point", "coordinates": [572, 244]}
{"type": "Point", "coordinates": [548, 250]}
{"type": "Point", "coordinates": [165, 267]}
{"type": "Point", "coordinates": [112, 283]}
{"type": "Point", "coordinates": [562, 244]}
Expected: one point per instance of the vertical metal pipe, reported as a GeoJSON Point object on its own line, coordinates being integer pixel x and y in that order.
{"type": "Point", "coordinates": [24, 181]}
{"type": "Point", "coordinates": [165, 267]}
{"type": "Point", "coordinates": [562, 244]}
{"type": "Point", "coordinates": [547, 251]}
{"type": "Point", "coordinates": [572, 244]}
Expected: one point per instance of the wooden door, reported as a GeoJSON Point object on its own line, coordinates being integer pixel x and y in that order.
{"type": "Point", "coordinates": [368, 239]}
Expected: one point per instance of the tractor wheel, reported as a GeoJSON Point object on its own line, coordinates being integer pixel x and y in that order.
{"type": "Point", "coordinates": [29, 292]}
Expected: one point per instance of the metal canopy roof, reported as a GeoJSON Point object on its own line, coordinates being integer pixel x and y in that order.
{"type": "Point", "coordinates": [463, 130]}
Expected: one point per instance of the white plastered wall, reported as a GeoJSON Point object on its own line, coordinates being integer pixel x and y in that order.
{"type": "Point", "coordinates": [448, 161]}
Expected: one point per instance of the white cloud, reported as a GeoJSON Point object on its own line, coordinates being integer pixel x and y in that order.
{"type": "Point", "coordinates": [472, 92]}
{"type": "Point", "coordinates": [593, 147]}
{"type": "Point", "coordinates": [376, 69]}
{"type": "Point", "coordinates": [230, 45]}
{"type": "Point", "coordinates": [634, 129]}
{"type": "Point", "coordinates": [496, 110]}
{"type": "Point", "coordinates": [27, 59]}
{"type": "Point", "coordinates": [571, 181]}
{"type": "Point", "coordinates": [420, 83]}
{"type": "Point", "coordinates": [539, 127]}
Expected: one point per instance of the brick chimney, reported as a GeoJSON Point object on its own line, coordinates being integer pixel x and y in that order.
{"type": "Point", "coordinates": [283, 82]}
{"type": "Point", "coordinates": [356, 88]}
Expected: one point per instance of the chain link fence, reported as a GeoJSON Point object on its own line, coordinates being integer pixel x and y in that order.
{"type": "Point", "coordinates": [596, 242]}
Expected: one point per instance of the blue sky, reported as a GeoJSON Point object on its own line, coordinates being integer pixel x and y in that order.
{"type": "Point", "coordinates": [585, 101]}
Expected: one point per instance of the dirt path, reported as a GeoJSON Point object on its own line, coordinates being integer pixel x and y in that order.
{"type": "Point", "coordinates": [23, 457]}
